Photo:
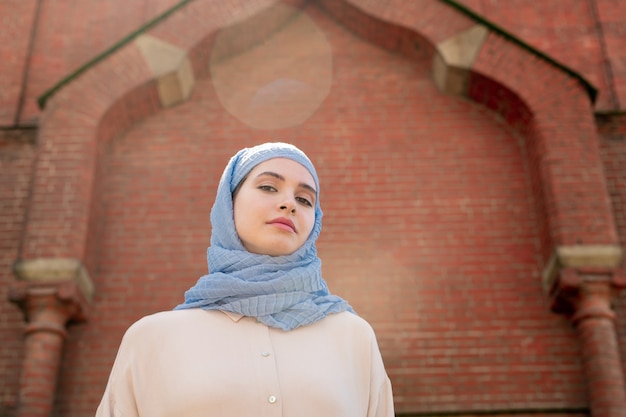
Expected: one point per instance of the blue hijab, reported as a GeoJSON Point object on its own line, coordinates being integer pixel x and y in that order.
{"type": "Point", "coordinates": [280, 291]}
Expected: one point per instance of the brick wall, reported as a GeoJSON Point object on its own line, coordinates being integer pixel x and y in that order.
{"type": "Point", "coordinates": [17, 20]}
{"type": "Point", "coordinates": [582, 34]}
{"type": "Point", "coordinates": [612, 131]}
{"type": "Point", "coordinates": [77, 32]}
{"type": "Point", "coordinates": [585, 35]}
{"type": "Point", "coordinates": [17, 154]}
{"type": "Point", "coordinates": [429, 232]}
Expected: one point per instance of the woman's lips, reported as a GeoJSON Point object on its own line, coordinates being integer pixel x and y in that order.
{"type": "Point", "coordinates": [283, 223]}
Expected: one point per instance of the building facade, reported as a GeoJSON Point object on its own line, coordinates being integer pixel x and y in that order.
{"type": "Point", "coordinates": [472, 160]}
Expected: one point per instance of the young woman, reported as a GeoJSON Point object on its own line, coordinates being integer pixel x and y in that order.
{"type": "Point", "coordinates": [260, 335]}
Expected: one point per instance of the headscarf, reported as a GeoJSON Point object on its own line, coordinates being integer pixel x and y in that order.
{"type": "Point", "coordinates": [285, 292]}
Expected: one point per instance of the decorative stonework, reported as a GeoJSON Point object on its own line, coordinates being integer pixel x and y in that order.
{"type": "Point", "coordinates": [171, 68]}
{"type": "Point", "coordinates": [45, 270]}
{"type": "Point", "coordinates": [587, 257]}
{"type": "Point", "coordinates": [51, 293]}
{"type": "Point", "coordinates": [582, 281]}
{"type": "Point", "coordinates": [452, 64]}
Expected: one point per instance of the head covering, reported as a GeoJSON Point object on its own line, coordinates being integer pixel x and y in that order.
{"type": "Point", "coordinates": [280, 291]}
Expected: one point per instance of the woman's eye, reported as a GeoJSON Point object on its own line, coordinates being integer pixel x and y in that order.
{"type": "Point", "coordinates": [304, 201]}
{"type": "Point", "coordinates": [267, 188]}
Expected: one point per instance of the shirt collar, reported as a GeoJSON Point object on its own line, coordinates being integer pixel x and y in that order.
{"type": "Point", "coordinates": [233, 316]}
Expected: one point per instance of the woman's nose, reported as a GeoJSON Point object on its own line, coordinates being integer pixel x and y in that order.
{"type": "Point", "coordinates": [288, 204]}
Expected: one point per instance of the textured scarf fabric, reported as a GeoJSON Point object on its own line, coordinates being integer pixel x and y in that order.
{"type": "Point", "coordinates": [280, 291]}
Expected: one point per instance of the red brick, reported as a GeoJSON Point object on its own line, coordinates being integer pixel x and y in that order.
{"type": "Point", "coordinates": [433, 214]}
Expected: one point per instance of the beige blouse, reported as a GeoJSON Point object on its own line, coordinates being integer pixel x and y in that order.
{"type": "Point", "coordinates": [209, 363]}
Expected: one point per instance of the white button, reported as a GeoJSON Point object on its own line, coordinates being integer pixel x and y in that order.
{"type": "Point", "coordinates": [265, 354]}
{"type": "Point", "coordinates": [272, 399]}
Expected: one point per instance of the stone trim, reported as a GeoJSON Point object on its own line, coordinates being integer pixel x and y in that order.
{"type": "Point", "coordinates": [41, 101]}
{"type": "Point", "coordinates": [580, 256]}
{"type": "Point", "coordinates": [49, 270]}
{"type": "Point", "coordinates": [591, 90]}
{"type": "Point", "coordinates": [170, 66]}
{"type": "Point", "coordinates": [452, 64]}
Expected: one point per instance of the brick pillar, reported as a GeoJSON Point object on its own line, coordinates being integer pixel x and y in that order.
{"type": "Point", "coordinates": [583, 284]}
{"type": "Point", "coordinates": [595, 326]}
{"type": "Point", "coordinates": [50, 296]}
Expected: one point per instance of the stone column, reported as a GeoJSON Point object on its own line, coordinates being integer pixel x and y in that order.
{"type": "Point", "coordinates": [584, 281]}
{"type": "Point", "coordinates": [51, 294]}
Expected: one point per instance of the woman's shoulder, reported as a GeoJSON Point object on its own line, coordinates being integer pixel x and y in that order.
{"type": "Point", "coordinates": [349, 324]}
{"type": "Point", "coordinates": [169, 317]}
{"type": "Point", "coordinates": [349, 318]}
{"type": "Point", "coordinates": [172, 322]}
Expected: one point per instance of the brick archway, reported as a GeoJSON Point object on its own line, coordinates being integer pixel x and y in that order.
{"type": "Point", "coordinates": [548, 105]}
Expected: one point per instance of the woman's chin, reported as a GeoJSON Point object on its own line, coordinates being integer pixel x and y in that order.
{"type": "Point", "coordinates": [273, 249]}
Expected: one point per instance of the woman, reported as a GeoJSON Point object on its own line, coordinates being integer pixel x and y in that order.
{"type": "Point", "coordinates": [260, 335]}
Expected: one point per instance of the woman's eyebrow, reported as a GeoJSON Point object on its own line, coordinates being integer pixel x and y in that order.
{"type": "Point", "coordinates": [280, 177]}
{"type": "Point", "coordinates": [272, 174]}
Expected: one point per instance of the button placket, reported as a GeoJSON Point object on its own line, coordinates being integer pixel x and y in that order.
{"type": "Point", "coordinates": [268, 372]}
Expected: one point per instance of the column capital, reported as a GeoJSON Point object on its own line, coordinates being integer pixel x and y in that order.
{"type": "Point", "coordinates": [579, 272]}
{"type": "Point", "coordinates": [55, 271]}
{"type": "Point", "coordinates": [586, 292]}
{"type": "Point", "coordinates": [49, 306]}
{"type": "Point", "coordinates": [51, 293]}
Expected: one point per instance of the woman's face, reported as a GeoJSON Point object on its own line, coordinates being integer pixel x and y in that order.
{"type": "Point", "coordinates": [274, 208]}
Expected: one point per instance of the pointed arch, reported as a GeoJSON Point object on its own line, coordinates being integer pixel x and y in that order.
{"type": "Point", "coordinates": [156, 67]}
